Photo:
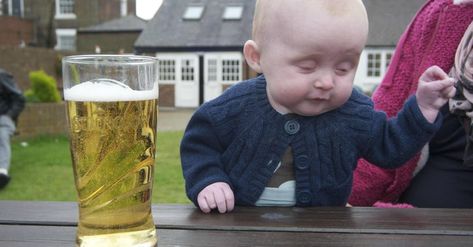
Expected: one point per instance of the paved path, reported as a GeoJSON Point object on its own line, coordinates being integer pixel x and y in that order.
{"type": "Point", "coordinates": [173, 119]}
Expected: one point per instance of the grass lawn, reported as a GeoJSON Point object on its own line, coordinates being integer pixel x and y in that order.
{"type": "Point", "coordinates": [42, 170]}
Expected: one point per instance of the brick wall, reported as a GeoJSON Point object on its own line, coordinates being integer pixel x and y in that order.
{"type": "Point", "coordinates": [109, 42]}
{"type": "Point", "coordinates": [20, 61]}
{"type": "Point", "coordinates": [42, 119]}
{"type": "Point", "coordinates": [14, 30]}
{"type": "Point", "coordinates": [166, 95]}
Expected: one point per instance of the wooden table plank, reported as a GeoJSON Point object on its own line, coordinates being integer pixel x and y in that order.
{"type": "Point", "coordinates": [318, 220]}
{"type": "Point", "coordinates": [51, 236]}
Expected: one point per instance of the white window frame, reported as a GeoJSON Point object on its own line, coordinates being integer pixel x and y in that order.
{"type": "Point", "coordinates": [60, 15]}
{"type": "Point", "coordinates": [170, 66]}
{"type": "Point", "coordinates": [1, 7]}
{"type": "Point", "coordinates": [65, 32]}
{"type": "Point", "coordinates": [193, 12]}
{"type": "Point", "coordinates": [374, 64]}
{"type": "Point", "coordinates": [238, 74]}
{"type": "Point", "coordinates": [385, 57]}
{"type": "Point", "coordinates": [368, 83]}
{"type": "Point", "coordinates": [123, 8]}
{"type": "Point", "coordinates": [232, 13]}
{"type": "Point", "coordinates": [10, 7]}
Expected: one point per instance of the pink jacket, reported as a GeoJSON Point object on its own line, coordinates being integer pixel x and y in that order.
{"type": "Point", "coordinates": [430, 39]}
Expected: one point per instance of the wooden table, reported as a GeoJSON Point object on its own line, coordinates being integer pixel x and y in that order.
{"type": "Point", "coordinates": [26, 223]}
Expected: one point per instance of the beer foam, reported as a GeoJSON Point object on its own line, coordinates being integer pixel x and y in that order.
{"type": "Point", "coordinates": [107, 92]}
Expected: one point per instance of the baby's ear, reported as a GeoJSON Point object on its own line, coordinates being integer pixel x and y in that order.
{"type": "Point", "coordinates": [252, 55]}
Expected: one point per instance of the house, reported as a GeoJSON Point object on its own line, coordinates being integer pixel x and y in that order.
{"type": "Point", "coordinates": [56, 21]}
{"type": "Point", "coordinates": [199, 44]}
{"type": "Point", "coordinates": [388, 20]}
{"type": "Point", "coordinates": [115, 36]}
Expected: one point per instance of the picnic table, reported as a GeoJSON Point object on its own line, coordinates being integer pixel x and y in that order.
{"type": "Point", "coordinates": [34, 223]}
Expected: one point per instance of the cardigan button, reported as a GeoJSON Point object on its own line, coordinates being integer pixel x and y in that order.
{"type": "Point", "coordinates": [304, 197]}
{"type": "Point", "coordinates": [292, 127]}
{"type": "Point", "coordinates": [302, 162]}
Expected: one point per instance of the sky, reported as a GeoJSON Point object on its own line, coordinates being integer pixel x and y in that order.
{"type": "Point", "coordinates": [146, 9]}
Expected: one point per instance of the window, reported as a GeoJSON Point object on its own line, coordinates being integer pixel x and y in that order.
{"type": "Point", "coordinates": [11, 7]}
{"type": "Point", "coordinates": [167, 70]}
{"type": "Point", "coordinates": [378, 62]}
{"type": "Point", "coordinates": [230, 70]}
{"type": "Point", "coordinates": [187, 70]}
{"type": "Point", "coordinates": [66, 39]}
{"type": "Point", "coordinates": [233, 13]}
{"type": "Point", "coordinates": [388, 59]}
{"type": "Point", "coordinates": [193, 13]}
{"type": "Point", "coordinates": [65, 9]}
{"type": "Point", "coordinates": [212, 70]}
{"type": "Point", "coordinates": [374, 65]}
{"type": "Point", "coordinates": [123, 8]}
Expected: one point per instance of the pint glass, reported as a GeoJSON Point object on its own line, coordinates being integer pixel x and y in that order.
{"type": "Point", "coordinates": [112, 115]}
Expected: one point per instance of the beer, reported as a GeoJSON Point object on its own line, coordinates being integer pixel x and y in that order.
{"type": "Point", "coordinates": [112, 137]}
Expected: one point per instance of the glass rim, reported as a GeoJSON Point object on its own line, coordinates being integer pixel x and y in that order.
{"type": "Point", "coordinates": [114, 59]}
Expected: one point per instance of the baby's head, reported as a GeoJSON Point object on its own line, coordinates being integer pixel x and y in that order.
{"type": "Point", "coordinates": [308, 51]}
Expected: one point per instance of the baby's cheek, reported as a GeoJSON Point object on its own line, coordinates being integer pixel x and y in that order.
{"type": "Point", "coordinates": [341, 96]}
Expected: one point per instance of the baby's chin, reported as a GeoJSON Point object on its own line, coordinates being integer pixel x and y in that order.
{"type": "Point", "coordinates": [312, 112]}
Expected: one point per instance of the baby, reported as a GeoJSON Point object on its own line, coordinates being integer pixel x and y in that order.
{"type": "Point", "coordinates": [292, 136]}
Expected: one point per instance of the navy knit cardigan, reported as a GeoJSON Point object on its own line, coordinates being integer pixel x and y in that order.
{"type": "Point", "coordinates": [238, 138]}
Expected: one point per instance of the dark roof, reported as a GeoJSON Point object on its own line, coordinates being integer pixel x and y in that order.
{"type": "Point", "coordinates": [168, 31]}
{"type": "Point", "coordinates": [389, 18]}
{"type": "Point", "coordinates": [124, 24]}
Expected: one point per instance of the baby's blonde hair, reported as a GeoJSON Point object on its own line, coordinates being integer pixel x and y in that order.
{"type": "Point", "coordinates": [334, 7]}
{"type": "Point", "coordinates": [257, 19]}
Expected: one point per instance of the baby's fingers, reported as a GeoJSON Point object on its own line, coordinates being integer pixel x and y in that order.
{"type": "Point", "coordinates": [220, 201]}
{"type": "Point", "coordinates": [230, 199]}
{"type": "Point", "coordinates": [203, 205]}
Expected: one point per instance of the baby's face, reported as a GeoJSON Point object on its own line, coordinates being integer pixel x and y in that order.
{"type": "Point", "coordinates": [309, 57]}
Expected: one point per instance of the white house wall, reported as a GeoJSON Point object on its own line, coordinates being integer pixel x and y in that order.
{"type": "Point", "coordinates": [187, 93]}
{"type": "Point", "coordinates": [225, 68]}
{"type": "Point", "coordinates": [362, 79]}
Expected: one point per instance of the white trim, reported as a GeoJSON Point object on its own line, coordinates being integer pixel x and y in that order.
{"type": "Point", "coordinates": [186, 92]}
{"type": "Point", "coordinates": [173, 57]}
{"type": "Point", "coordinates": [10, 8]}
{"type": "Point", "coordinates": [213, 88]}
{"type": "Point", "coordinates": [232, 13]}
{"type": "Point", "coordinates": [193, 12]}
{"type": "Point", "coordinates": [65, 32]}
{"type": "Point", "coordinates": [368, 83]}
{"type": "Point", "coordinates": [59, 15]}
{"type": "Point", "coordinates": [123, 8]}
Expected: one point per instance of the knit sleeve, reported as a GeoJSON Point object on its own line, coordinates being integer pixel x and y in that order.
{"type": "Point", "coordinates": [200, 152]}
{"type": "Point", "coordinates": [395, 141]}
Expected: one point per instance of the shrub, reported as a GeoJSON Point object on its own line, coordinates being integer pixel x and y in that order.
{"type": "Point", "coordinates": [43, 88]}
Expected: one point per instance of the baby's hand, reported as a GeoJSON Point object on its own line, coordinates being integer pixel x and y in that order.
{"type": "Point", "coordinates": [433, 91]}
{"type": "Point", "coordinates": [217, 195]}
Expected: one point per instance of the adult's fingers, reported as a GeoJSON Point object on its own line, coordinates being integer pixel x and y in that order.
{"type": "Point", "coordinates": [434, 73]}
{"type": "Point", "coordinates": [449, 92]}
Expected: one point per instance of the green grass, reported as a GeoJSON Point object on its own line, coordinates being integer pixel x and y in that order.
{"type": "Point", "coordinates": [42, 170]}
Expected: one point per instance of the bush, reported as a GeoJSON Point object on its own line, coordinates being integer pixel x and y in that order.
{"type": "Point", "coordinates": [43, 88]}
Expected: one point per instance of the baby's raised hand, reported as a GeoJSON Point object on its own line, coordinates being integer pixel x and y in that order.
{"type": "Point", "coordinates": [217, 195]}
{"type": "Point", "coordinates": [434, 89]}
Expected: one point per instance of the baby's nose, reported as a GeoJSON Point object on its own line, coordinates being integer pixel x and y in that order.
{"type": "Point", "coordinates": [324, 82]}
